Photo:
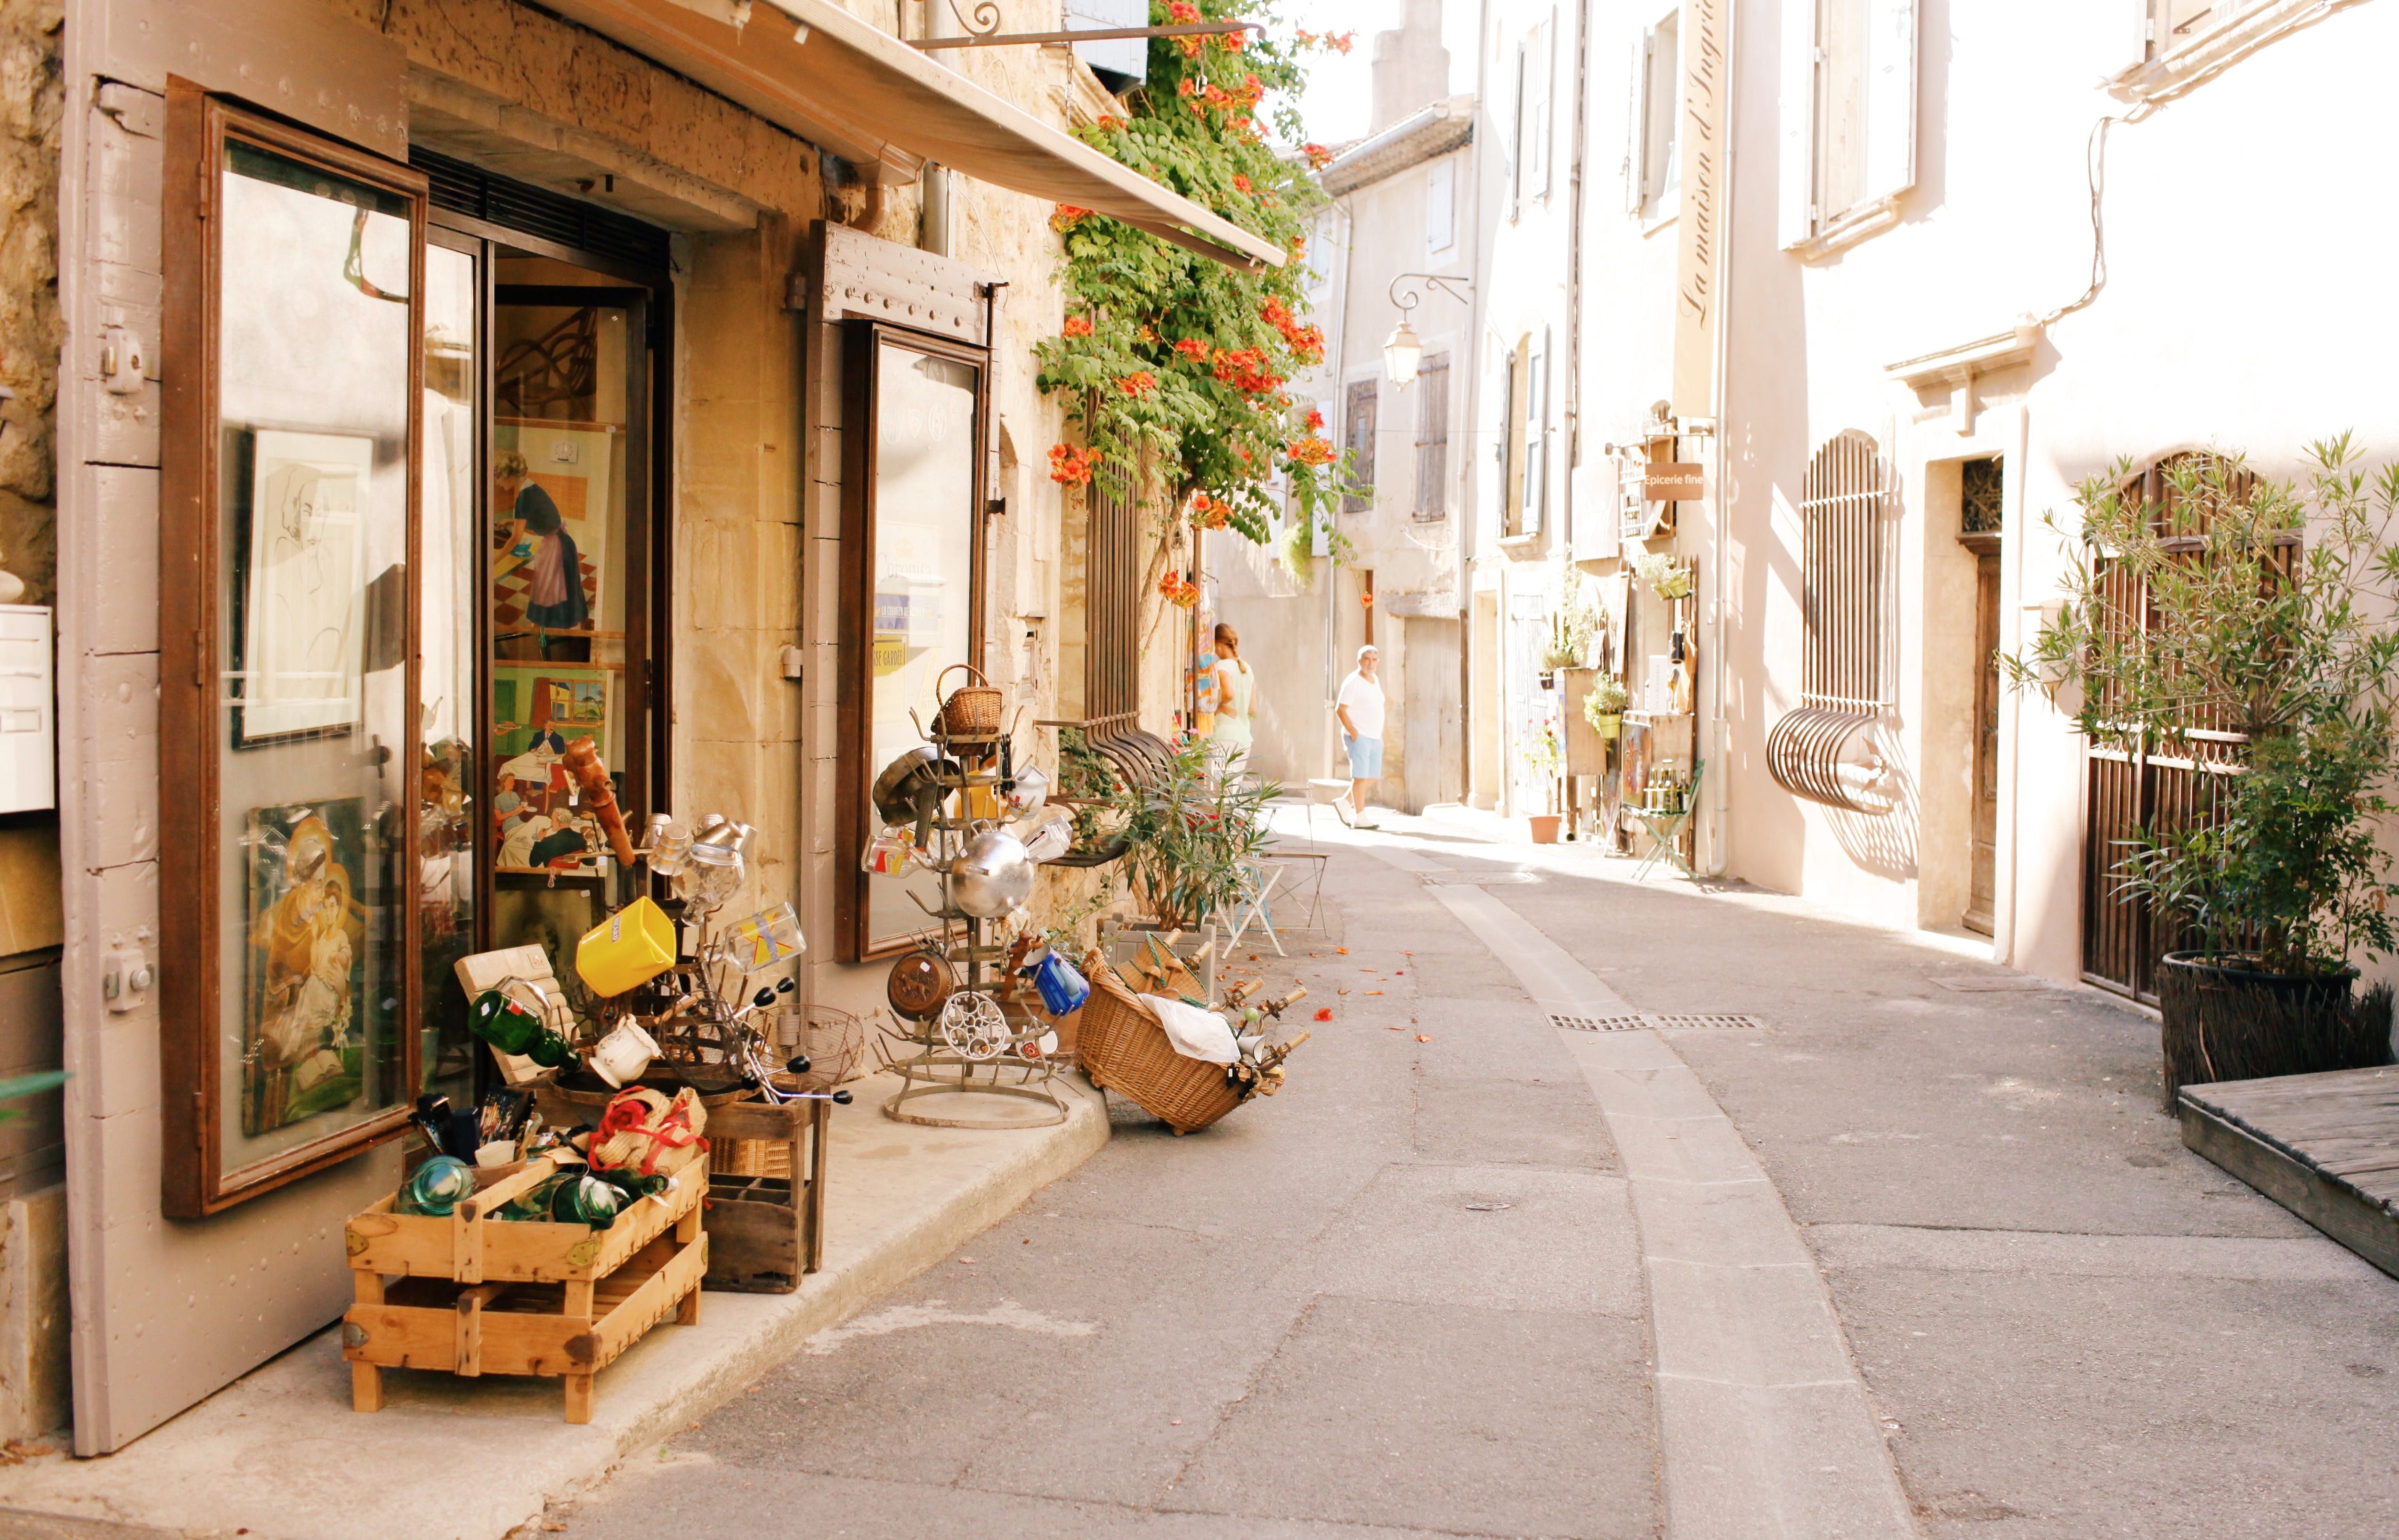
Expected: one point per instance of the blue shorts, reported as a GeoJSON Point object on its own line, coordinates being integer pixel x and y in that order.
{"type": "Point", "coordinates": [1365, 757]}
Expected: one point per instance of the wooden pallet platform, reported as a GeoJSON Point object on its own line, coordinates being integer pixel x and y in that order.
{"type": "Point", "coordinates": [2324, 1146]}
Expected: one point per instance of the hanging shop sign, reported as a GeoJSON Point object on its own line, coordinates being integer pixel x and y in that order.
{"type": "Point", "coordinates": [1663, 481]}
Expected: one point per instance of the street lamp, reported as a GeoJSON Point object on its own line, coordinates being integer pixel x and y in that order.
{"type": "Point", "coordinates": [1403, 350]}
{"type": "Point", "coordinates": [1401, 353]}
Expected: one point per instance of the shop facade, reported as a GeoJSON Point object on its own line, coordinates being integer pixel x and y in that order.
{"type": "Point", "coordinates": [441, 385]}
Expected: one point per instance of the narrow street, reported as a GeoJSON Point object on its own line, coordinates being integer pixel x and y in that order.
{"type": "Point", "coordinates": [1476, 1274]}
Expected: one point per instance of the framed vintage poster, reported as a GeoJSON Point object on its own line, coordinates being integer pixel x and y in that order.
{"type": "Point", "coordinates": [537, 710]}
{"type": "Point", "coordinates": [305, 1047]}
{"type": "Point", "coordinates": [291, 788]}
{"type": "Point", "coordinates": [299, 663]}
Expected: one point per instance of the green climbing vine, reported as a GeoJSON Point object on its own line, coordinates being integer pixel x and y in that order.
{"type": "Point", "coordinates": [1172, 365]}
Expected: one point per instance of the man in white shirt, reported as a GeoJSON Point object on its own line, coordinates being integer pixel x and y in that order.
{"type": "Point", "coordinates": [1360, 707]}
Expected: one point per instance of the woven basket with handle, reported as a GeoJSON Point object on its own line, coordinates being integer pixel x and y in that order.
{"type": "Point", "coordinates": [971, 711]}
{"type": "Point", "coordinates": [1122, 1047]}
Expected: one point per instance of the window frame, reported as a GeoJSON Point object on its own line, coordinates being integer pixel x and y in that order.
{"type": "Point", "coordinates": [1656, 103]}
{"type": "Point", "coordinates": [1889, 77]}
{"type": "Point", "coordinates": [192, 654]}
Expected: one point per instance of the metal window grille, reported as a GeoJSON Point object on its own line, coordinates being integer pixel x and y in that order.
{"type": "Point", "coordinates": [1112, 608]}
{"type": "Point", "coordinates": [1360, 443]}
{"type": "Point", "coordinates": [1979, 498]}
{"type": "Point", "coordinates": [1432, 437]}
{"type": "Point", "coordinates": [1846, 577]}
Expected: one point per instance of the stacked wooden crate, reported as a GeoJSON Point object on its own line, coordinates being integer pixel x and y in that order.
{"type": "Point", "coordinates": [472, 1295]}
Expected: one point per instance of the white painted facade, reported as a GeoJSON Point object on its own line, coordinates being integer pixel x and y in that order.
{"type": "Point", "coordinates": [1919, 191]}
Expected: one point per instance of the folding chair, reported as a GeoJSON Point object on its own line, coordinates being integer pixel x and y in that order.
{"type": "Point", "coordinates": [1666, 830]}
{"type": "Point", "coordinates": [1325, 793]}
{"type": "Point", "coordinates": [1250, 907]}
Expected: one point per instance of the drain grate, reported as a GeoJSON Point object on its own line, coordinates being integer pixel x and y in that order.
{"type": "Point", "coordinates": [1475, 879]}
{"type": "Point", "coordinates": [1690, 1022]}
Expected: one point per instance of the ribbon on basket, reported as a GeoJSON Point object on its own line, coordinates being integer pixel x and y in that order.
{"type": "Point", "coordinates": [642, 1129]}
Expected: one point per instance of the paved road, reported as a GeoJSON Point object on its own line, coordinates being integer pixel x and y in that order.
{"type": "Point", "coordinates": [1411, 1296]}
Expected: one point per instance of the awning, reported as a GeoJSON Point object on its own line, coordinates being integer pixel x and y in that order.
{"type": "Point", "coordinates": [826, 75]}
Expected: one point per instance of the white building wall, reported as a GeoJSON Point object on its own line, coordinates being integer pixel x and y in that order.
{"type": "Point", "coordinates": [2232, 216]}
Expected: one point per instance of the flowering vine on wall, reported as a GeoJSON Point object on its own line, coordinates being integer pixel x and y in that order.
{"type": "Point", "coordinates": [1172, 365]}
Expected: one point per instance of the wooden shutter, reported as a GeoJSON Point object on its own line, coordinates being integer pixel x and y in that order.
{"type": "Point", "coordinates": [1360, 440]}
{"type": "Point", "coordinates": [1516, 136]}
{"type": "Point", "coordinates": [1543, 66]}
{"type": "Point", "coordinates": [1636, 131]}
{"type": "Point", "coordinates": [1432, 437]}
{"type": "Point", "coordinates": [1537, 430]}
{"type": "Point", "coordinates": [1796, 218]}
{"type": "Point", "coordinates": [1891, 97]}
{"type": "Point", "coordinates": [1441, 204]}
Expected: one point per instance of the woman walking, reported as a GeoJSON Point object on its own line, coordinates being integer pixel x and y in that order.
{"type": "Point", "coordinates": [1236, 690]}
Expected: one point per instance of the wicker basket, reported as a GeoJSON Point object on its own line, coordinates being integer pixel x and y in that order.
{"type": "Point", "coordinates": [971, 711]}
{"type": "Point", "coordinates": [1123, 1048]}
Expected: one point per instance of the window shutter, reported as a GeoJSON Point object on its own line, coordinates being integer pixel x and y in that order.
{"type": "Point", "coordinates": [1360, 445]}
{"type": "Point", "coordinates": [1516, 138]}
{"type": "Point", "coordinates": [1441, 194]}
{"type": "Point", "coordinates": [1511, 443]}
{"type": "Point", "coordinates": [1543, 64]}
{"type": "Point", "coordinates": [1796, 220]}
{"type": "Point", "coordinates": [1891, 97]}
{"type": "Point", "coordinates": [1537, 436]}
{"type": "Point", "coordinates": [1637, 133]}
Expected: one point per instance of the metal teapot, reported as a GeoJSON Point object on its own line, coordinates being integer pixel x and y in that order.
{"type": "Point", "coordinates": [994, 877]}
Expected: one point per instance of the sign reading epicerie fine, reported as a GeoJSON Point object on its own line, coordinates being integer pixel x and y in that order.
{"type": "Point", "coordinates": [1700, 225]}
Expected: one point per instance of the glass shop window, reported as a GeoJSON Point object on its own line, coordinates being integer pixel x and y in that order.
{"type": "Point", "coordinates": [291, 687]}
{"type": "Point", "coordinates": [568, 550]}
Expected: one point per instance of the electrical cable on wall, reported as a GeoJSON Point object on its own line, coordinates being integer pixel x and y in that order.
{"type": "Point", "coordinates": [2094, 160]}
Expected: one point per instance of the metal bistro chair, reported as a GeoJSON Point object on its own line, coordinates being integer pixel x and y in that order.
{"type": "Point", "coordinates": [1665, 830]}
{"type": "Point", "coordinates": [1250, 907]}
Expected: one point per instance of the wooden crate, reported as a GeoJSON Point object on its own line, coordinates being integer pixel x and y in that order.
{"type": "Point", "coordinates": [765, 1229]}
{"type": "Point", "coordinates": [476, 1295]}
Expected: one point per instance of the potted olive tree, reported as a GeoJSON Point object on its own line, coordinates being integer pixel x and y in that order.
{"type": "Point", "coordinates": [2253, 624]}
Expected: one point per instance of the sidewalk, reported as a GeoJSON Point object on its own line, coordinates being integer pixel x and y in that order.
{"type": "Point", "coordinates": [279, 1455]}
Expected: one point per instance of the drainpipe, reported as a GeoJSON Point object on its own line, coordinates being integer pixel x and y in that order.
{"type": "Point", "coordinates": [1720, 799]}
{"type": "Point", "coordinates": [1574, 271]}
{"type": "Point", "coordinates": [934, 231]}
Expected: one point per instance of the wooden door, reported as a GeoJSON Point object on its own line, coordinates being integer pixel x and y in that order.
{"type": "Point", "coordinates": [1985, 809]}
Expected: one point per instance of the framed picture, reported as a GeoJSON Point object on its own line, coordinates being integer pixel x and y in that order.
{"type": "Point", "coordinates": [551, 525]}
{"type": "Point", "coordinates": [537, 710]}
{"type": "Point", "coordinates": [299, 644]}
{"type": "Point", "coordinates": [293, 785]}
{"type": "Point", "coordinates": [303, 1037]}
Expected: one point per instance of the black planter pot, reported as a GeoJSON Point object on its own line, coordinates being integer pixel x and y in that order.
{"type": "Point", "coordinates": [2225, 1022]}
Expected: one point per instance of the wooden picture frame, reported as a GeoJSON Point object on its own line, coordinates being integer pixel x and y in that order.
{"type": "Point", "coordinates": [206, 663]}
{"type": "Point", "coordinates": [863, 344]}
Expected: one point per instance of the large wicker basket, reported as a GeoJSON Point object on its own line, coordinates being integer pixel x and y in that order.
{"type": "Point", "coordinates": [1123, 1048]}
{"type": "Point", "coordinates": [971, 711]}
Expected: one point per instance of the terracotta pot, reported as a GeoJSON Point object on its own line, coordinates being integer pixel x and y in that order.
{"type": "Point", "coordinates": [1545, 828]}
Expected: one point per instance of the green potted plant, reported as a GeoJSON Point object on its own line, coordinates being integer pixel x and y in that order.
{"type": "Point", "coordinates": [1544, 755]}
{"type": "Point", "coordinates": [2271, 626]}
{"type": "Point", "coordinates": [1604, 705]}
{"type": "Point", "coordinates": [1191, 833]}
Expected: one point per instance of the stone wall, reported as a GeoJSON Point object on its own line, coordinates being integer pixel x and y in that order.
{"type": "Point", "coordinates": [31, 33]}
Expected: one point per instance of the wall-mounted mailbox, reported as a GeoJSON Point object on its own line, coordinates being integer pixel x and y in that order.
{"type": "Point", "coordinates": [28, 717]}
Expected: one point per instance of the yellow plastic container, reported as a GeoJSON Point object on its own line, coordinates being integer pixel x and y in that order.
{"type": "Point", "coordinates": [627, 950]}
